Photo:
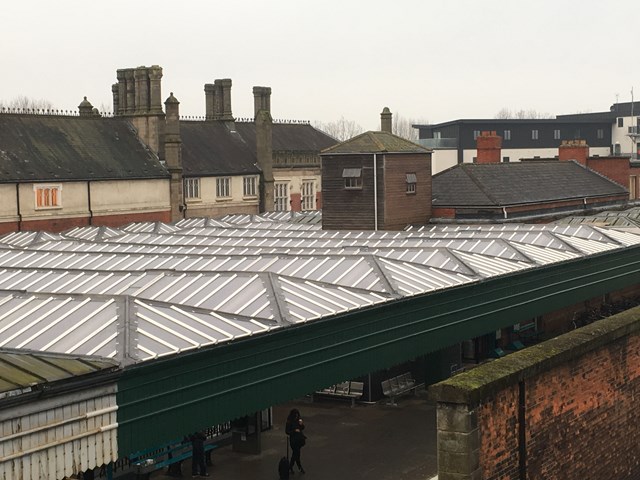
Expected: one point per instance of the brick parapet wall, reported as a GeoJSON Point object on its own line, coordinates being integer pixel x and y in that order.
{"type": "Point", "coordinates": [578, 418]}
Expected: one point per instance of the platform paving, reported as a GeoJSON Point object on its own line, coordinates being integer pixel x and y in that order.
{"type": "Point", "coordinates": [374, 442]}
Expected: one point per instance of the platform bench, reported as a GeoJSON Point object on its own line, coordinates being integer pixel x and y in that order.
{"type": "Point", "coordinates": [348, 390]}
{"type": "Point", "coordinates": [400, 385]}
{"type": "Point", "coordinates": [147, 461]}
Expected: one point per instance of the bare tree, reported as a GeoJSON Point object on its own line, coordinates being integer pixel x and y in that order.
{"type": "Point", "coordinates": [341, 130]}
{"type": "Point", "coordinates": [522, 114]}
{"type": "Point", "coordinates": [403, 127]}
{"type": "Point", "coordinates": [22, 102]}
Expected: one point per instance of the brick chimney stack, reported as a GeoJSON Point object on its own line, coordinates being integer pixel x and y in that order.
{"type": "Point", "coordinates": [577, 150]}
{"type": "Point", "coordinates": [386, 122]}
{"type": "Point", "coordinates": [489, 146]}
{"type": "Point", "coordinates": [264, 148]}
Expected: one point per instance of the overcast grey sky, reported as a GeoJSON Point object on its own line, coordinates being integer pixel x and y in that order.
{"type": "Point", "coordinates": [428, 60]}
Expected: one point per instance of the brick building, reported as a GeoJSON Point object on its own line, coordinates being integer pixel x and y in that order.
{"type": "Point", "coordinates": [62, 171]}
{"type": "Point", "coordinates": [533, 191]}
{"type": "Point", "coordinates": [376, 181]}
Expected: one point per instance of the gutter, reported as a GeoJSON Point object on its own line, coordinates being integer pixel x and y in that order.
{"type": "Point", "coordinates": [18, 206]}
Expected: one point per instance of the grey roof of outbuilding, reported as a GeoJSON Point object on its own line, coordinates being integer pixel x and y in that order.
{"type": "Point", "coordinates": [147, 290]}
{"type": "Point", "coordinates": [518, 183]}
{"type": "Point", "coordinates": [375, 142]}
{"type": "Point", "coordinates": [58, 148]}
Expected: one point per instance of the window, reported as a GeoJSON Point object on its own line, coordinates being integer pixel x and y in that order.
{"type": "Point", "coordinates": [437, 134]}
{"type": "Point", "coordinates": [632, 187]}
{"type": "Point", "coordinates": [556, 134]}
{"type": "Point", "coordinates": [506, 159]}
{"type": "Point", "coordinates": [191, 188]}
{"type": "Point", "coordinates": [474, 159]}
{"type": "Point", "coordinates": [281, 197]}
{"type": "Point", "coordinates": [352, 178]}
{"type": "Point", "coordinates": [249, 186]}
{"type": "Point", "coordinates": [48, 196]}
{"type": "Point", "coordinates": [223, 187]}
{"type": "Point", "coordinates": [620, 122]}
{"type": "Point", "coordinates": [308, 195]}
{"type": "Point", "coordinates": [600, 133]}
{"type": "Point", "coordinates": [507, 134]}
{"type": "Point", "coordinates": [534, 134]}
{"type": "Point", "coordinates": [411, 183]}
{"type": "Point", "coordinates": [476, 134]}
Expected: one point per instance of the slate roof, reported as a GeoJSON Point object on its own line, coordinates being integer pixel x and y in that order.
{"type": "Point", "coordinates": [299, 137]}
{"type": "Point", "coordinates": [504, 184]}
{"type": "Point", "coordinates": [375, 142]}
{"type": "Point", "coordinates": [210, 148]}
{"type": "Point", "coordinates": [58, 148]}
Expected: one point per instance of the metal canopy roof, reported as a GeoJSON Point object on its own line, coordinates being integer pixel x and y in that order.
{"type": "Point", "coordinates": [154, 289]}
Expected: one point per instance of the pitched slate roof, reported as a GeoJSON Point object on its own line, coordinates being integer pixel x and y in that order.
{"type": "Point", "coordinates": [502, 184]}
{"type": "Point", "coordinates": [57, 148]}
{"type": "Point", "coordinates": [375, 142]}
{"type": "Point", "coordinates": [299, 137]}
{"type": "Point", "coordinates": [210, 148]}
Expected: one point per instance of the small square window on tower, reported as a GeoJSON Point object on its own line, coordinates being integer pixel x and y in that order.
{"type": "Point", "coordinates": [352, 178]}
{"type": "Point", "coordinates": [412, 180]}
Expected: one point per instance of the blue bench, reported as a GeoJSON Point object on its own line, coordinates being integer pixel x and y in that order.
{"type": "Point", "coordinates": [147, 461]}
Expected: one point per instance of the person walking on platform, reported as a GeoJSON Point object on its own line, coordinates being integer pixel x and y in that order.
{"type": "Point", "coordinates": [297, 439]}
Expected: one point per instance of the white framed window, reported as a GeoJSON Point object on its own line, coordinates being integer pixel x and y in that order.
{"type": "Point", "coordinates": [281, 196]}
{"type": "Point", "coordinates": [437, 134]}
{"type": "Point", "coordinates": [507, 134]}
{"type": "Point", "coordinates": [476, 134]}
{"type": "Point", "coordinates": [249, 186]}
{"type": "Point", "coordinates": [223, 187]}
{"type": "Point", "coordinates": [620, 122]}
{"type": "Point", "coordinates": [352, 178]}
{"type": "Point", "coordinates": [633, 184]}
{"type": "Point", "coordinates": [412, 180]}
{"type": "Point", "coordinates": [47, 196]}
{"type": "Point", "coordinates": [556, 134]}
{"type": "Point", "coordinates": [600, 133]}
{"type": "Point", "coordinates": [192, 188]}
{"type": "Point", "coordinates": [506, 159]}
{"type": "Point", "coordinates": [534, 134]}
{"type": "Point", "coordinates": [308, 195]}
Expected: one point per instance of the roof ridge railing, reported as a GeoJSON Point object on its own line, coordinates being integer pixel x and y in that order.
{"type": "Point", "coordinates": [48, 112]}
{"type": "Point", "coordinates": [195, 118]}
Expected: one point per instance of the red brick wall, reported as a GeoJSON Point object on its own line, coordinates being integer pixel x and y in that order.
{"type": "Point", "coordinates": [61, 224]}
{"type": "Point", "coordinates": [581, 419]}
{"type": "Point", "coordinates": [296, 202]}
{"type": "Point", "coordinates": [499, 434]}
{"type": "Point", "coordinates": [319, 200]}
{"type": "Point", "coordinates": [119, 220]}
{"type": "Point", "coordinates": [443, 212]}
{"type": "Point", "coordinates": [614, 168]}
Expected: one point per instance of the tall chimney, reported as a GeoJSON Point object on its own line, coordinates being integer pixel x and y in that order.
{"type": "Point", "coordinates": [209, 94]}
{"type": "Point", "coordinates": [142, 90]}
{"type": "Point", "coordinates": [264, 148]}
{"type": "Point", "coordinates": [115, 91]}
{"type": "Point", "coordinates": [122, 93]}
{"type": "Point", "coordinates": [155, 89]}
{"type": "Point", "coordinates": [489, 147]}
{"type": "Point", "coordinates": [130, 101]}
{"type": "Point", "coordinates": [225, 83]}
{"type": "Point", "coordinates": [386, 122]}
{"type": "Point", "coordinates": [577, 150]}
{"type": "Point", "coordinates": [173, 156]}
